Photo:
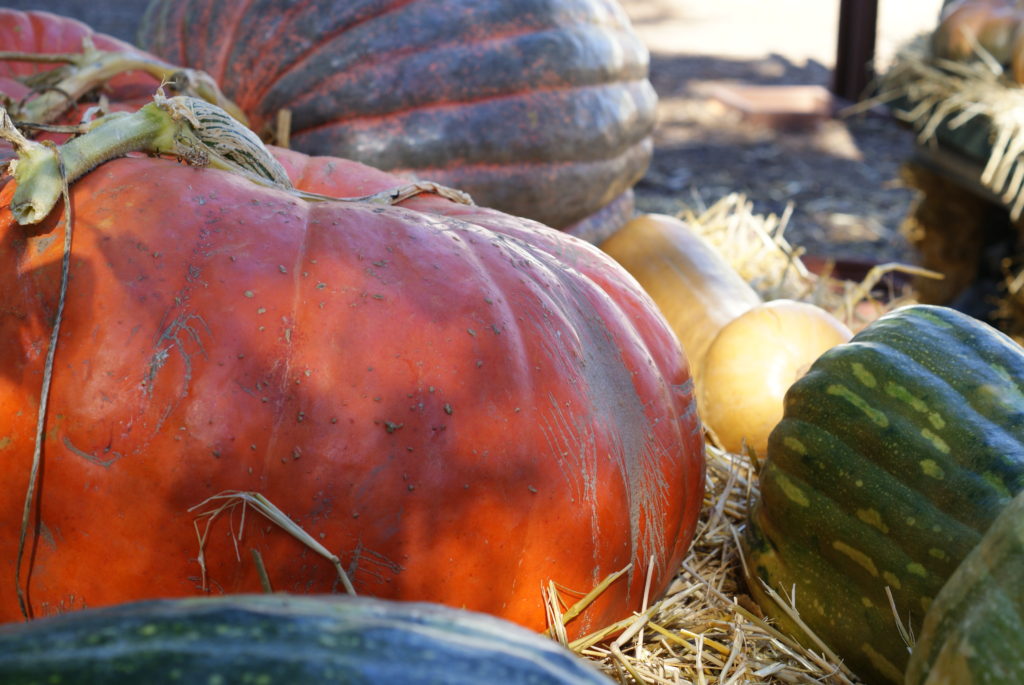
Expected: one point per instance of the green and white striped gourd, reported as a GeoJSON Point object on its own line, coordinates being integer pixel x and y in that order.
{"type": "Point", "coordinates": [895, 453]}
{"type": "Point", "coordinates": [283, 640]}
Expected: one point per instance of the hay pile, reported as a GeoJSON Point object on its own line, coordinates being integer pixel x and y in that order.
{"type": "Point", "coordinates": [756, 247]}
{"type": "Point", "coordinates": [705, 630]}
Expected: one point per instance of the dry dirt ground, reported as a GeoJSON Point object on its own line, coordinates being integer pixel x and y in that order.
{"type": "Point", "coordinates": [841, 176]}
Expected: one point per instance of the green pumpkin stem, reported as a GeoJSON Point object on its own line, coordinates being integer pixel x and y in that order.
{"type": "Point", "coordinates": [188, 128]}
{"type": "Point", "coordinates": [194, 130]}
{"type": "Point", "coordinates": [87, 70]}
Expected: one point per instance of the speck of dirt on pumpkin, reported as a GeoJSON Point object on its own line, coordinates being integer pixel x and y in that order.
{"type": "Point", "coordinates": [391, 426]}
{"type": "Point", "coordinates": [471, 332]}
{"type": "Point", "coordinates": [531, 489]}
{"type": "Point", "coordinates": [282, 268]}
{"type": "Point", "coordinates": [249, 293]}
{"type": "Point", "coordinates": [447, 409]}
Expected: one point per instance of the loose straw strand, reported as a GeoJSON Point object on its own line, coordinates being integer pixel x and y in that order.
{"type": "Point", "coordinates": [44, 395]}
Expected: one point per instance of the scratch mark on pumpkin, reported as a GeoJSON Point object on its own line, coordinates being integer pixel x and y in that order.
{"type": "Point", "coordinates": [569, 441]}
{"type": "Point", "coordinates": [170, 339]}
{"type": "Point", "coordinates": [183, 334]}
{"type": "Point", "coordinates": [372, 564]}
{"type": "Point", "coordinates": [92, 458]}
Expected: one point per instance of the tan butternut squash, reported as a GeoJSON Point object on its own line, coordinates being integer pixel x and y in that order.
{"type": "Point", "coordinates": [696, 290]}
{"type": "Point", "coordinates": [743, 353]}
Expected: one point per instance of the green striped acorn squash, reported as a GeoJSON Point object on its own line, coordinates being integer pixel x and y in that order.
{"type": "Point", "coordinates": [974, 632]}
{"type": "Point", "coordinates": [282, 639]}
{"type": "Point", "coordinates": [895, 453]}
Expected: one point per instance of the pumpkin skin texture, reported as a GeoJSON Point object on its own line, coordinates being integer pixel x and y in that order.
{"type": "Point", "coordinates": [974, 632]}
{"type": "Point", "coordinates": [461, 404]}
{"type": "Point", "coordinates": [283, 639]}
{"type": "Point", "coordinates": [540, 108]}
{"type": "Point", "coordinates": [895, 453]}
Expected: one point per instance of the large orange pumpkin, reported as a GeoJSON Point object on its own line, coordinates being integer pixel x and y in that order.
{"type": "Point", "coordinates": [463, 405]}
{"type": "Point", "coordinates": [541, 108]}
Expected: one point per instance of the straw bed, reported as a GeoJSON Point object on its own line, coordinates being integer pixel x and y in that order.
{"type": "Point", "coordinates": [705, 629]}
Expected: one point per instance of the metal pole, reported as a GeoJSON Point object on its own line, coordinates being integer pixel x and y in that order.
{"type": "Point", "coordinates": [855, 48]}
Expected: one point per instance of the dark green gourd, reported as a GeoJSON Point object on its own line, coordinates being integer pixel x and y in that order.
{"type": "Point", "coordinates": [974, 632]}
{"type": "Point", "coordinates": [896, 452]}
{"type": "Point", "coordinates": [282, 640]}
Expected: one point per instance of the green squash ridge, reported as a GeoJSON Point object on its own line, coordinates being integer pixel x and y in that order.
{"type": "Point", "coordinates": [984, 465]}
{"type": "Point", "coordinates": [947, 351]}
{"type": "Point", "coordinates": [841, 614]}
{"type": "Point", "coordinates": [852, 549]}
{"type": "Point", "coordinates": [901, 514]}
{"type": "Point", "coordinates": [282, 639]}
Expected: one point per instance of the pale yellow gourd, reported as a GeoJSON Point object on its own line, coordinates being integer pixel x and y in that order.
{"type": "Point", "coordinates": [743, 353]}
{"type": "Point", "coordinates": [751, 363]}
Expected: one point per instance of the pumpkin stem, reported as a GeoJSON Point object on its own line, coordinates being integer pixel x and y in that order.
{"type": "Point", "coordinates": [185, 127]}
{"type": "Point", "coordinates": [86, 70]}
{"type": "Point", "coordinates": [188, 128]}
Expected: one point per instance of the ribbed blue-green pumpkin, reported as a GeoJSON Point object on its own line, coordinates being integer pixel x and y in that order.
{"type": "Point", "coordinates": [283, 640]}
